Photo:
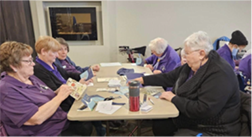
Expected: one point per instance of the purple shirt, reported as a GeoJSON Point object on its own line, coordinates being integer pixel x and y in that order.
{"type": "Point", "coordinates": [54, 71]}
{"type": "Point", "coordinates": [245, 67]}
{"type": "Point", "coordinates": [168, 63]}
{"type": "Point", "coordinates": [20, 101]}
{"type": "Point", "coordinates": [226, 53]}
{"type": "Point", "coordinates": [68, 67]}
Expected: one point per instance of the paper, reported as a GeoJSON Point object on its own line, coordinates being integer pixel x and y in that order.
{"type": "Point", "coordinates": [124, 89]}
{"type": "Point", "coordinates": [104, 106]}
{"type": "Point", "coordinates": [106, 79]}
{"type": "Point", "coordinates": [113, 110]}
{"type": "Point", "coordinates": [78, 88]}
{"type": "Point", "coordinates": [90, 84]}
{"type": "Point", "coordinates": [114, 83]}
{"type": "Point", "coordinates": [88, 74]}
{"type": "Point", "coordinates": [145, 107]}
{"type": "Point", "coordinates": [111, 64]}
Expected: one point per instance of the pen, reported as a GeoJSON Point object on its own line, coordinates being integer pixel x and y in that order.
{"type": "Point", "coordinates": [151, 101]}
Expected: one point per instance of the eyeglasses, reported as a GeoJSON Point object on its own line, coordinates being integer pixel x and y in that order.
{"type": "Point", "coordinates": [186, 54]}
{"type": "Point", "coordinates": [30, 61]}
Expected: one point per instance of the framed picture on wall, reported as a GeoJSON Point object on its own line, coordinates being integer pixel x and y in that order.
{"type": "Point", "coordinates": [73, 23]}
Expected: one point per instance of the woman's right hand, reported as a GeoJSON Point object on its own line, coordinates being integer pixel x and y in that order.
{"type": "Point", "coordinates": [149, 66]}
{"type": "Point", "coordinates": [64, 91]}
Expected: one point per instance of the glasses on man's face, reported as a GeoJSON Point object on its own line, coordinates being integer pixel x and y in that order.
{"type": "Point", "coordinates": [30, 61]}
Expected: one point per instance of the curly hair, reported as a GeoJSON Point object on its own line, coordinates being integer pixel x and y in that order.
{"type": "Point", "coordinates": [11, 53]}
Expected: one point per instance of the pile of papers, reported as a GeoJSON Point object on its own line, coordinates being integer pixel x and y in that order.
{"type": "Point", "coordinates": [106, 107]}
{"type": "Point", "coordinates": [114, 83]}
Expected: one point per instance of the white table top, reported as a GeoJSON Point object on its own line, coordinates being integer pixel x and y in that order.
{"type": "Point", "coordinates": [161, 108]}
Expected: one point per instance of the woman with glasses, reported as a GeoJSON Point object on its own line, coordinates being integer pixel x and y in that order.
{"type": "Point", "coordinates": [28, 107]}
{"type": "Point", "coordinates": [54, 76]}
{"type": "Point", "coordinates": [205, 91]}
{"type": "Point", "coordinates": [236, 43]}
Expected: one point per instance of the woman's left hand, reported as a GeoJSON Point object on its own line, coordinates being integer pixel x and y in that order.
{"type": "Point", "coordinates": [96, 68]}
{"type": "Point", "coordinates": [168, 95]}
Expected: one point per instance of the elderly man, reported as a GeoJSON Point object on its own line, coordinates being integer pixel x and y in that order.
{"type": "Point", "coordinates": [164, 58]}
{"type": "Point", "coordinates": [205, 91]}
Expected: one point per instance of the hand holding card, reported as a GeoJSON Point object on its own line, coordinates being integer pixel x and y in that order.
{"type": "Point", "coordinates": [78, 88]}
{"type": "Point", "coordinates": [88, 74]}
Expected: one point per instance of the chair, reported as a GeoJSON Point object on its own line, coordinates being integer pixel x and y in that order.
{"type": "Point", "coordinates": [216, 45]}
{"type": "Point", "coordinates": [140, 50]}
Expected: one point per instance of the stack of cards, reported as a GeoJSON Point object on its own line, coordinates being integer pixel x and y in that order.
{"type": "Point", "coordinates": [91, 101]}
{"type": "Point", "coordinates": [78, 88]}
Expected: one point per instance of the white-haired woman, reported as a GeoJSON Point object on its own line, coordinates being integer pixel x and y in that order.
{"type": "Point", "coordinates": [164, 58]}
{"type": "Point", "coordinates": [205, 91]}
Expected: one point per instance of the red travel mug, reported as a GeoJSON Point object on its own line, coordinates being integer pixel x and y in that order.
{"type": "Point", "coordinates": [134, 96]}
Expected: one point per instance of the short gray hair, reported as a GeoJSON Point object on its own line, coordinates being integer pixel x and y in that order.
{"type": "Point", "coordinates": [199, 40]}
{"type": "Point", "coordinates": [158, 45]}
{"type": "Point", "coordinates": [182, 53]}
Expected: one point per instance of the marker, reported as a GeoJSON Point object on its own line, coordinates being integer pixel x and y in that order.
{"type": "Point", "coordinates": [151, 101]}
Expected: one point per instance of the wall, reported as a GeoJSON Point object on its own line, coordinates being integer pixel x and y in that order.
{"type": "Point", "coordinates": [136, 23]}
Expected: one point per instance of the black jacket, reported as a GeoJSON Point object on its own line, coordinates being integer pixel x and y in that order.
{"type": "Point", "coordinates": [54, 83]}
{"type": "Point", "coordinates": [209, 101]}
{"type": "Point", "coordinates": [245, 114]}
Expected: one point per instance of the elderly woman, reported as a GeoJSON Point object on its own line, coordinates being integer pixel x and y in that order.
{"type": "Point", "coordinates": [50, 73]}
{"type": "Point", "coordinates": [205, 91]}
{"type": "Point", "coordinates": [245, 67]}
{"type": "Point", "coordinates": [53, 75]}
{"type": "Point", "coordinates": [182, 58]}
{"type": "Point", "coordinates": [28, 107]}
{"type": "Point", "coordinates": [228, 52]}
{"type": "Point", "coordinates": [65, 62]}
{"type": "Point", "coordinates": [164, 58]}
